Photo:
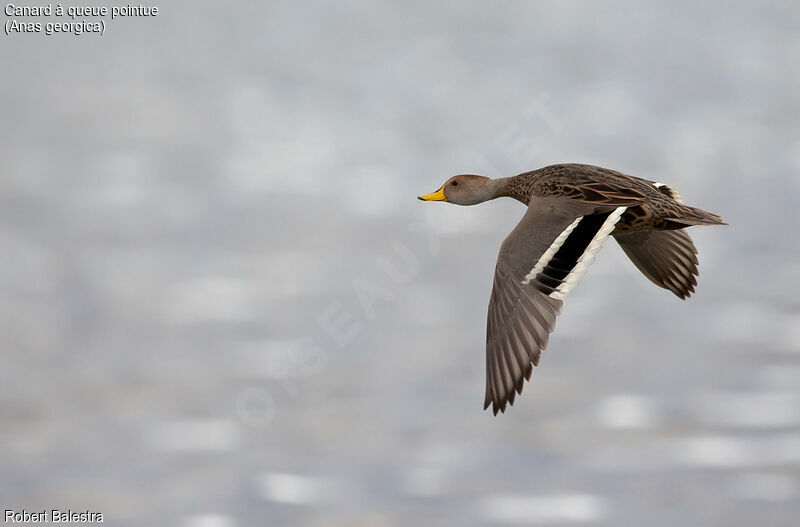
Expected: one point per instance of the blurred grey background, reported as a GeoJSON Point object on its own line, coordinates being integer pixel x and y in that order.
{"type": "Point", "coordinates": [222, 304]}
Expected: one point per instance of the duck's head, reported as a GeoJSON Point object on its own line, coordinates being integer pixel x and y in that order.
{"type": "Point", "coordinates": [464, 189]}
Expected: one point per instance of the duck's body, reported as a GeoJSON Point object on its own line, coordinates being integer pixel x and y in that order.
{"type": "Point", "coordinates": [651, 205]}
{"type": "Point", "coordinates": [572, 209]}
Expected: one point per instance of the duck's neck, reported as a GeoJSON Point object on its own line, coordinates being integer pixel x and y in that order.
{"type": "Point", "coordinates": [505, 187]}
{"type": "Point", "coordinates": [517, 187]}
{"type": "Point", "coordinates": [487, 189]}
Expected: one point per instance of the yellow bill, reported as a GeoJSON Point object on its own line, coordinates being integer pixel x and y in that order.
{"type": "Point", "coordinates": [436, 196]}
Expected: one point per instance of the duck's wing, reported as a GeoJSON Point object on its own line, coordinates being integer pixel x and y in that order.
{"type": "Point", "coordinates": [539, 263]}
{"type": "Point", "coordinates": [667, 258]}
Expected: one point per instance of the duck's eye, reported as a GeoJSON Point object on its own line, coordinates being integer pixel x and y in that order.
{"type": "Point", "coordinates": [455, 183]}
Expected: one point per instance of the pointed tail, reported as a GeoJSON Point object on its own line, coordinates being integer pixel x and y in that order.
{"type": "Point", "coordinates": [694, 216]}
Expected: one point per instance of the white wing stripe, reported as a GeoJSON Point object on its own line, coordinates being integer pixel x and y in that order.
{"type": "Point", "coordinates": [551, 251]}
{"type": "Point", "coordinates": [587, 258]}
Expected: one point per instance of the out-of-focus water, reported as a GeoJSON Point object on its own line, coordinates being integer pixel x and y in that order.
{"type": "Point", "coordinates": [222, 304]}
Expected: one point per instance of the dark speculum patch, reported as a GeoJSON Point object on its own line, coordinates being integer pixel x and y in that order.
{"type": "Point", "coordinates": [568, 254]}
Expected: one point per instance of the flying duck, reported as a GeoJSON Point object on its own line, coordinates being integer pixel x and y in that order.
{"type": "Point", "coordinates": [572, 209]}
